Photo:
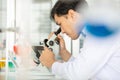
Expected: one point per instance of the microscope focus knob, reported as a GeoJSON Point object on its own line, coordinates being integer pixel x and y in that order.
{"type": "Point", "coordinates": [51, 43]}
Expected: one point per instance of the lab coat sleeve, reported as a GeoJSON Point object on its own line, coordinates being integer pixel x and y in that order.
{"type": "Point", "coordinates": [72, 70]}
{"type": "Point", "coordinates": [57, 70]}
{"type": "Point", "coordinates": [86, 64]}
{"type": "Point", "coordinates": [55, 67]}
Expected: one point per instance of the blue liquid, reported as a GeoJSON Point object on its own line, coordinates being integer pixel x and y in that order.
{"type": "Point", "coordinates": [99, 30]}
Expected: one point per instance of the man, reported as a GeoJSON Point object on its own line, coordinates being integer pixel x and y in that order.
{"type": "Point", "coordinates": [94, 61]}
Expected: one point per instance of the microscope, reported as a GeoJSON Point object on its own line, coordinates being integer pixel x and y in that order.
{"type": "Point", "coordinates": [52, 44]}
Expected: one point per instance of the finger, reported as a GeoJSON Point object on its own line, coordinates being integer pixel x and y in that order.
{"type": "Point", "coordinates": [42, 65]}
{"type": "Point", "coordinates": [61, 40]}
{"type": "Point", "coordinates": [43, 51]}
{"type": "Point", "coordinates": [59, 36]}
{"type": "Point", "coordinates": [46, 49]}
{"type": "Point", "coordinates": [41, 60]}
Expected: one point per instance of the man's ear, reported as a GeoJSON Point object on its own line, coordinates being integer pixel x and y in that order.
{"type": "Point", "coordinates": [71, 13]}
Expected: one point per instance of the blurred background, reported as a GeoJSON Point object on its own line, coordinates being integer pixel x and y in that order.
{"type": "Point", "coordinates": [27, 22]}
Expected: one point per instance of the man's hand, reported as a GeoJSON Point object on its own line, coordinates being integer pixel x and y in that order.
{"type": "Point", "coordinates": [47, 57]}
{"type": "Point", "coordinates": [62, 43]}
{"type": "Point", "coordinates": [65, 55]}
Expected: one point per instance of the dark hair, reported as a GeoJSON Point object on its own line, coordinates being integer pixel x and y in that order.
{"type": "Point", "coordinates": [63, 6]}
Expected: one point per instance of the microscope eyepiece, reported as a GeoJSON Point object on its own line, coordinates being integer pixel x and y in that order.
{"type": "Point", "coordinates": [58, 31]}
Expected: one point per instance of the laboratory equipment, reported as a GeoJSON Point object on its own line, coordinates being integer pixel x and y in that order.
{"type": "Point", "coordinates": [52, 44]}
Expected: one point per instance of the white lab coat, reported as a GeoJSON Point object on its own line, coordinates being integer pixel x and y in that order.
{"type": "Point", "coordinates": [99, 60]}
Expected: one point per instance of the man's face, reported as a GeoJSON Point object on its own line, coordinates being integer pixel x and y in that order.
{"type": "Point", "coordinates": [67, 24]}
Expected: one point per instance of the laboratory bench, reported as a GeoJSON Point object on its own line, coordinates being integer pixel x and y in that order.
{"type": "Point", "coordinates": [31, 74]}
{"type": "Point", "coordinates": [23, 76]}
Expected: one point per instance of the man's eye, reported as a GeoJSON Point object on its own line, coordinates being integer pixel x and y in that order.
{"type": "Point", "coordinates": [59, 24]}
